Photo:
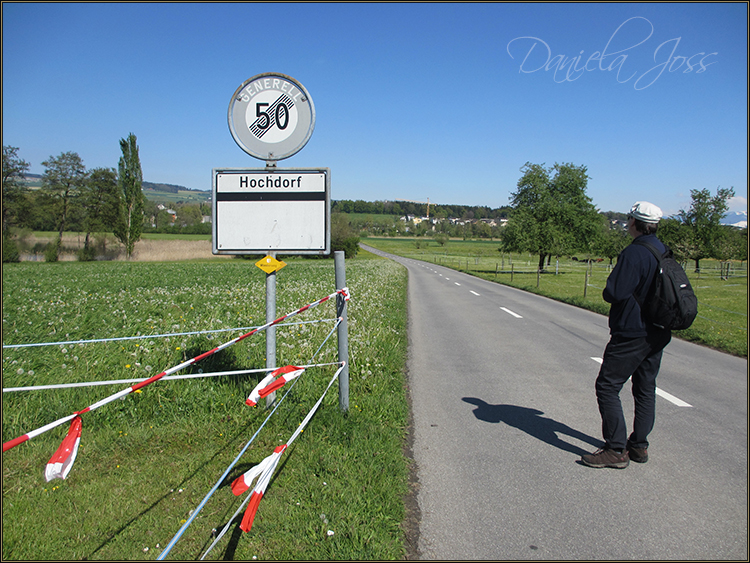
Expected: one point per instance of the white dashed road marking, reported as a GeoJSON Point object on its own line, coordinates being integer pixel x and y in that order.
{"type": "Point", "coordinates": [511, 313]}
{"type": "Point", "coordinates": [474, 292]}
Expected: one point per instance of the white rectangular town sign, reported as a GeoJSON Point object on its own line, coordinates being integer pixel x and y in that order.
{"type": "Point", "coordinates": [260, 211]}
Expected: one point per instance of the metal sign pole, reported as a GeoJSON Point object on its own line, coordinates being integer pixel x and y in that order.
{"type": "Point", "coordinates": [271, 331]}
{"type": "Point", "coordinates": [343, 330]}
{"type": "Point", "coordinates": [271, 117]}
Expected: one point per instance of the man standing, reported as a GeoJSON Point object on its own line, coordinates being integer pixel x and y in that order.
{"type": "Point", "coordinates": [634, 349]}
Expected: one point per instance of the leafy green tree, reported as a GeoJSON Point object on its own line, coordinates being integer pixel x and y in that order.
{"type": "Point", "coordinates": [150, 210]}
{"type": "Point", "coordinates": [740, 244]}
{"type": "Point", "coordinates": [441, 239]}
{"type": "Point", "coordinates": [163, 220]}
{"type": "Point", "coordinates": [130, 180]}
{"type": "Point", "coordinates": [679, 237]}
{"type": "Point", "coordinates": [704, 219]}
{"type": "Point", "coordinates": [551, 213]}
{"type": "Point", "coordinates": [343, 236]}
{"type": "Point", "coordinates": [63, 178]}
{"type": "Point", "coordinates": [100, 199]}
{"type": "Point", "coordinates": [732, 245]}
{"type": "Point", "coordinates": [612, 240]}
{"type": "Point", "coordinates": [41, 213]}
{"type": "Point", "coordinates": [14, 189]}
{"type": "Point", "coordinates": [482, 230]}
{"type": "Point", "coordinates": [189, 215]}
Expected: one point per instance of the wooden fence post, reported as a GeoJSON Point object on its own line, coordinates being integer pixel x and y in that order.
{"type": "Point", "coordinates": [585, 282]}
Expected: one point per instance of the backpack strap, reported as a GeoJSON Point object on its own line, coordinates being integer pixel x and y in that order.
{"type": "Point", "coordinates": [640, 242]}
{"type": "Point", "coordinates": [654, 251]}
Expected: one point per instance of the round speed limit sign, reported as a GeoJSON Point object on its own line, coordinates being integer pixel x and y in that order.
{"type": "Point", "coordinates": [271, 116]}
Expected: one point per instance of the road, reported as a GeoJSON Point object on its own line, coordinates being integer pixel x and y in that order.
{"type": "Point", "coordinates": [502, 391]}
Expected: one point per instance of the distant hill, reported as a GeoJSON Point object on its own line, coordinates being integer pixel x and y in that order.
{"type": "Point", "coordinates": [172, 193]}
{"type": "Point", "coordinates": [156, 192]}
{"type": "Point", "coordinates": [170, 188]}
{"type": "Point", "coordinates": [33, 180]}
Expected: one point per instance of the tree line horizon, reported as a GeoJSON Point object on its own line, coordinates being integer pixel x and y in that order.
{"type": "Point", "coordinates": [550, 213]}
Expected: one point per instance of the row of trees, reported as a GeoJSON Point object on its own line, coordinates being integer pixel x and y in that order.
{"type": "Point", "coordinates": [402, 208]}
{"type": "Point", "coordinates": [97, 200]}
{"type": "Point", "coordinates": [189, 218]}
{"type": "Point", "coordinates": [550, 213]}
{"type": "Point", "coordinates": [552, 216]}
{"type": "Point", "coordinates": [384, 225]}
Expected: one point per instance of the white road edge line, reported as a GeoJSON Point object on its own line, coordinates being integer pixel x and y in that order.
{"type": "Point", "coordinates": [668, 396]}
{"type": "Point", "coordinates": [511, 313]}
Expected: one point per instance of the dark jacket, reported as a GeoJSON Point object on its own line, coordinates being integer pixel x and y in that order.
{"type": "Point", "coordinates": [629, 283]}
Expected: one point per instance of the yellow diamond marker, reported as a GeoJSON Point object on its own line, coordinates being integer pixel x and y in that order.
{"type": "Point", "coordinates": [269, 264]}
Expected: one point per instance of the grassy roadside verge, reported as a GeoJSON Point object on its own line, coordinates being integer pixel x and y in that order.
{"type": "Point", "coordinates": [722, 304]}
{"type": "Point", "coordinates": [147, 461]}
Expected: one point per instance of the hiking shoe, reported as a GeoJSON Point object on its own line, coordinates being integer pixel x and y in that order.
{"type": "Point", "coordinates": [606, 458]}
{"type": "Point", "coordinates": [638, 455]}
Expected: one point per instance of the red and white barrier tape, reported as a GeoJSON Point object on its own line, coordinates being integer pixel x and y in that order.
{"type": "Point", "coordinates": [136, 380]}
{"type": "Point", "coordinates": [71, 456]}
{"type": "Point", "coordinates": [195, 512]}
{"type": "Point", "coordinates": [59, 465]}
{"type": "Point", "coordinates": [144, 336]}
{"type": "Point", "coordinates": [265, 469]}
{"type": "Point", "coordinates": [267, 385]}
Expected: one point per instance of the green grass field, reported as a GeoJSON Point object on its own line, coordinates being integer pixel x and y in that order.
{"type": "Point", "coordinates": [147, 460]}
{"type": "Point", "coordinates": [722, 304]}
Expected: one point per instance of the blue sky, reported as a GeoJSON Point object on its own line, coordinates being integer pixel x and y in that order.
{"type": "Point", "coordinates": [413, 101]}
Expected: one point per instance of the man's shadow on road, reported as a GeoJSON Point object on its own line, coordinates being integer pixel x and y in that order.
{"type": "Point", "coordinates": [531, 422]}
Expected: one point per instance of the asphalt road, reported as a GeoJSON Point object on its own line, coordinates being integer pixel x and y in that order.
{"type": "Point", "coordinates": [502, 390]}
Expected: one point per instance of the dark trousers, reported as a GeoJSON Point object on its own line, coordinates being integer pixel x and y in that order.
{"type": "Point", "coordinates": [623, 357]}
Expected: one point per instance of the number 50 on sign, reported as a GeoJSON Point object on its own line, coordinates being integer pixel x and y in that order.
{"type": "Point", "coordinates": [271, 116]}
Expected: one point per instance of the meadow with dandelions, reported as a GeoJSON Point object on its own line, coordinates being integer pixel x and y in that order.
{"type": "Point", "coordinates": [146, 461]}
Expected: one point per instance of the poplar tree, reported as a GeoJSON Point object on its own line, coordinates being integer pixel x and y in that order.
{"type": "Point", "coordinates": [130, 180]}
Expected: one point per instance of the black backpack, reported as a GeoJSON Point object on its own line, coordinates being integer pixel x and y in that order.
{"type": "Point", "coordinates": [670, 302]}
